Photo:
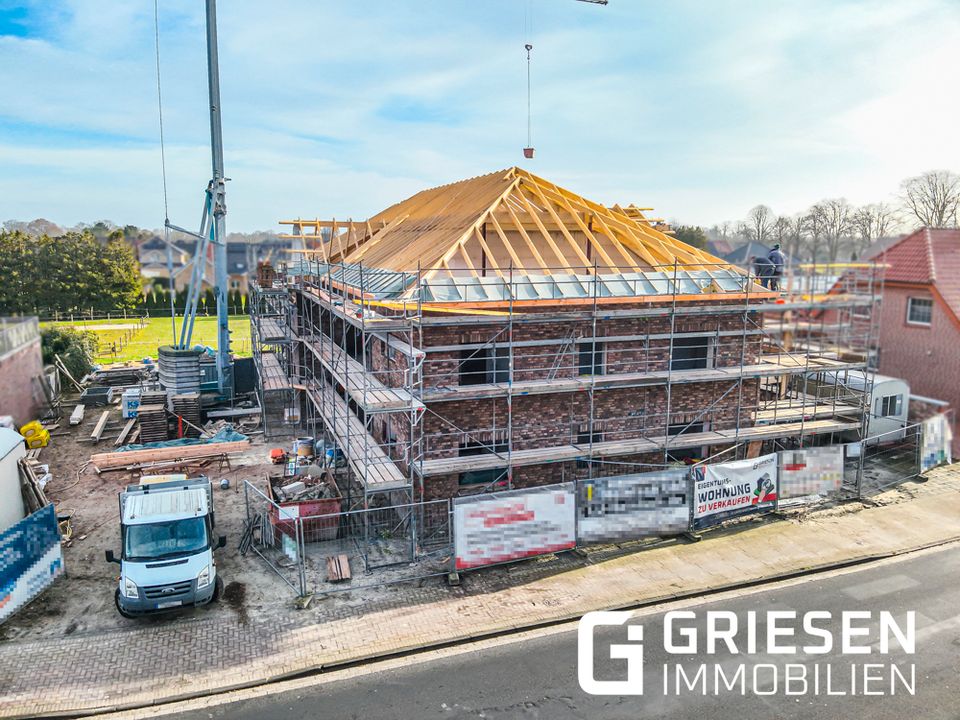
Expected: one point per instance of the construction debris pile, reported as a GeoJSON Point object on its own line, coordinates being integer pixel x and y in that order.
{"type": "Point", "coordinates": [300, 490]}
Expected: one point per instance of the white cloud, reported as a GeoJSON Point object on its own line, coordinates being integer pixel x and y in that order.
{"type": "Point", "coordinates": [702, 110]}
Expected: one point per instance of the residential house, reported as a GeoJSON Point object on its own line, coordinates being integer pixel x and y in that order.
{"type": "Point", "coordinates": [920, 317]}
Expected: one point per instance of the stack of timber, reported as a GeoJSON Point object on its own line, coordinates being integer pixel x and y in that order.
{"type": "Point", "coordinates": [120, 376]}
{"type": "Point", "coordinates": [33, 495]}
{"type": "Point", "coordinates": [153, 423]}
{"type": "Point", "coordinates": [153, 397]}
{"type": "Point", "coordinates": [131, 458]}
{"type": "Point", "coordinates": [187, 406]}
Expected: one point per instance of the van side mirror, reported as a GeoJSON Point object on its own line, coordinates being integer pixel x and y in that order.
{"type": "Point", "coordinates": [111, 557]}
{"type": "Point", "coordinates": [222, 541]}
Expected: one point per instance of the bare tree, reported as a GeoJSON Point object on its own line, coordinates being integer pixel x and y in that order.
{"type": "Point", "coordinates": [815, 223]}
{"type": "Point", "coordinates": [933, 198]}
{"type": "Point", "coordinates": [759, 223]}
{"type": "Point", "coordinates": [870, 223]}
{"type": "Point", "coordinates": [794, 246]}
{"type": "Point", "coordinates": [780, 231]}
{"type": "Point", "coordinates": [837, 217]}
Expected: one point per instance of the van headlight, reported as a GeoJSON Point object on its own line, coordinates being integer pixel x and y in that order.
{"type": "Point", "coordinates": [129, 588]}
{"type": "Point", "coordinates": [204, 578]}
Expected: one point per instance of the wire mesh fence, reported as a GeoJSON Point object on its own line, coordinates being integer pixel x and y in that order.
{"type": "Point", "coordinates": [273, 533]}
{"type": "Point", "coordinates": [399, 542]}
{"type": "Point", "coordinates": [890, 458]}
{"type": "Point", "coordinates": [404, 542]}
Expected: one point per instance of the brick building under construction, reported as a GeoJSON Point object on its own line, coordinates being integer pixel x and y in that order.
{"type": "Point", "coordinates": [502, 332]}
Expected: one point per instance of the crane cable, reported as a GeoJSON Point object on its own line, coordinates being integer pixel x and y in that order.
{"type": "Point", "coordinates": [163, 171]}
{"type": "Point", "coordinates": [529, 111]}
{"type": "Point", "coordinates": [528, 30]}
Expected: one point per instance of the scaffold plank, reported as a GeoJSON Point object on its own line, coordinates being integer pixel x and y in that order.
{"type": "Point", "coordinates": [364, 387]}
{"type": "Point", "coordinates": [536, 456]}
{"type": "Point", "coordinates": [369, 462]}
{"type": "Point", "coordinates": [272, 376]}
{"type": "Point", "coordinates": [770, 366]}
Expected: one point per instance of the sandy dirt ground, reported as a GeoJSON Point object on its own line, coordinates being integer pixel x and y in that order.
{"type": "Point", "coordinates": [82, 600]}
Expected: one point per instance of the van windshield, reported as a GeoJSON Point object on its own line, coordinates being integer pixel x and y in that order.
{"type": "Point", "coordinates": [160, 540]}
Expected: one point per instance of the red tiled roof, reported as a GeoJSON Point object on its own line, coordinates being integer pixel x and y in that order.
{"type": "Point", "coordinates": [927, 256]}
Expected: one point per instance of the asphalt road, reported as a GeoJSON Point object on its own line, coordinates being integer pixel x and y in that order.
{"type": "Point", "coordinates": [537, 678]}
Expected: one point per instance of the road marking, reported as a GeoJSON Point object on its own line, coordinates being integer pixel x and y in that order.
{"type": "Point", "coordinates": [426, 656]}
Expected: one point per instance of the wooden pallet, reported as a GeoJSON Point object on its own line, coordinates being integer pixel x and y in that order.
{"type": "Point", "coordinates": [153, 423]}
{"type": "Point", "coordinates": [187, 406]}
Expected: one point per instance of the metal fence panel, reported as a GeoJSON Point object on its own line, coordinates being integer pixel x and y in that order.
{"type": "Point", "coordinates": [30, 559]}
{"type": "Point", "coordinates": [395, 541]}
{"type": "Point", "coordinates": [937, 439]}
{"type": "Point", "coordinates": [811, 473]}
{"type": "Point", "coordinates": [273, 533]}
{"type": "Point", "coordinates": [515, 524]}
{"type": "Point", "coordinates": [627, 507]}
{"type": "Point", "coordinates": [728, 490]}
{"type": "Point", "coordinates": [890, 458]}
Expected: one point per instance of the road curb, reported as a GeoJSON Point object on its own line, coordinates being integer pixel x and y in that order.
{"type": "Point", "coordinates": [506, 631]}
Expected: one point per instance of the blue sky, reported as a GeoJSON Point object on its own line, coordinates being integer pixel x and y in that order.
{"type": "Point", "coordinates": [338, 109]}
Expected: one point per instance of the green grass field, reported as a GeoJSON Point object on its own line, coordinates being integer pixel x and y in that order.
{"type": "Point", "coordinates": [135, 343]}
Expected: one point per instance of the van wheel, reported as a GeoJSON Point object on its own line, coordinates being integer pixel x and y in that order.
{"type": "Point", "coordinates": [217, 589]}
{"type": "Point", "coordinates": [116, 601]}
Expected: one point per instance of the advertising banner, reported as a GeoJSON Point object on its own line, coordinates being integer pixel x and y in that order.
{"type": "Point", "coordinates": [729, 490]}
{"type": "Point", "coordinates": [513, 525]}
{"type": "Point", "coordinates": [812, 471]}
{"type": "Point", "coordinates": [633, 506]}
{"type": "Point", "coordinates": [30, 559]}
{"type": "Point", "coordinates": [936, 437]}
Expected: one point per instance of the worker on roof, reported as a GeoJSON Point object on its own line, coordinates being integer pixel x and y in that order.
{"type": "Point", "coordinates": [777, 260]}
{"type": "Point", "coordinates": [761, 268]}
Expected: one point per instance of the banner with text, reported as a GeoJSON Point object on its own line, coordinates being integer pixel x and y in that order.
{"type": "Point", "coordinates": [811, 472]}
{"type": "Point", "coordinates": [512, 525]}
{"type": "Point", "coordinates": [633, 506]}
{"type": "Point", "coordinates": [937, 437]}
{"type": "Point", "coordinates": [733, 489]}
{"type": "Point", "coordinates": [30, 559]}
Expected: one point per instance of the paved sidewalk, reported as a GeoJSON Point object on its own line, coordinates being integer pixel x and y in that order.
{"type": "Point", "coordinates": [176, 660]}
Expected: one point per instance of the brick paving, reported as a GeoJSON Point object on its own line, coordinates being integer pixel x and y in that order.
{"type": "Point", "coordinates": [190, 657]}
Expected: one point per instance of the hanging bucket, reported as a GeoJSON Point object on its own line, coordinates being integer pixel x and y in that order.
{"type": "Point", "coordinates": [528, 153]}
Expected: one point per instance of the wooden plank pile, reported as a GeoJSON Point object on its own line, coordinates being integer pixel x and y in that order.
{"type": "Point", "coordinates": [153, 423]}
{"type": "Point", "coordinates": [338, 568]}
{"type": "Point", "coordinates": [120, 376]}
{"type": "Point", "coordinates": [33, 495]}
{"type": "Point", "coordinates": [107, 461]}
{"type": "Point", "coordinates": [153, 397]}
{"type": "Point", "coordinates": [187, 406]}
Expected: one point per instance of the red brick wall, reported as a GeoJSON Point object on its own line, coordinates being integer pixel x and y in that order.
{"type": "Point", "coordinates": [546, 420]}
{"type": "Point", "coordinates": [532, 362]}
{"type": "Point", "coordinates": [928, 358]}
{"type": "Point", "coordinates": [17, 370]}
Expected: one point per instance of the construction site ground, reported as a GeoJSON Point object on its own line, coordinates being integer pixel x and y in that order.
{"type": "Point", "coordinates": [256, 635]}
{"type": "Point", "coordinates": [82, 601]}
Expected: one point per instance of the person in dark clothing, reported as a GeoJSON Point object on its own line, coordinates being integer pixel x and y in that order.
{"type": "Point", "coordinates": [762, 269]}
{"type": "Point", "coordinates": [776, 260]}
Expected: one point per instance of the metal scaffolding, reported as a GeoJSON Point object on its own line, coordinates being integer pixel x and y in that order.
{"type": "Point", "coordinates": [711, 366]}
